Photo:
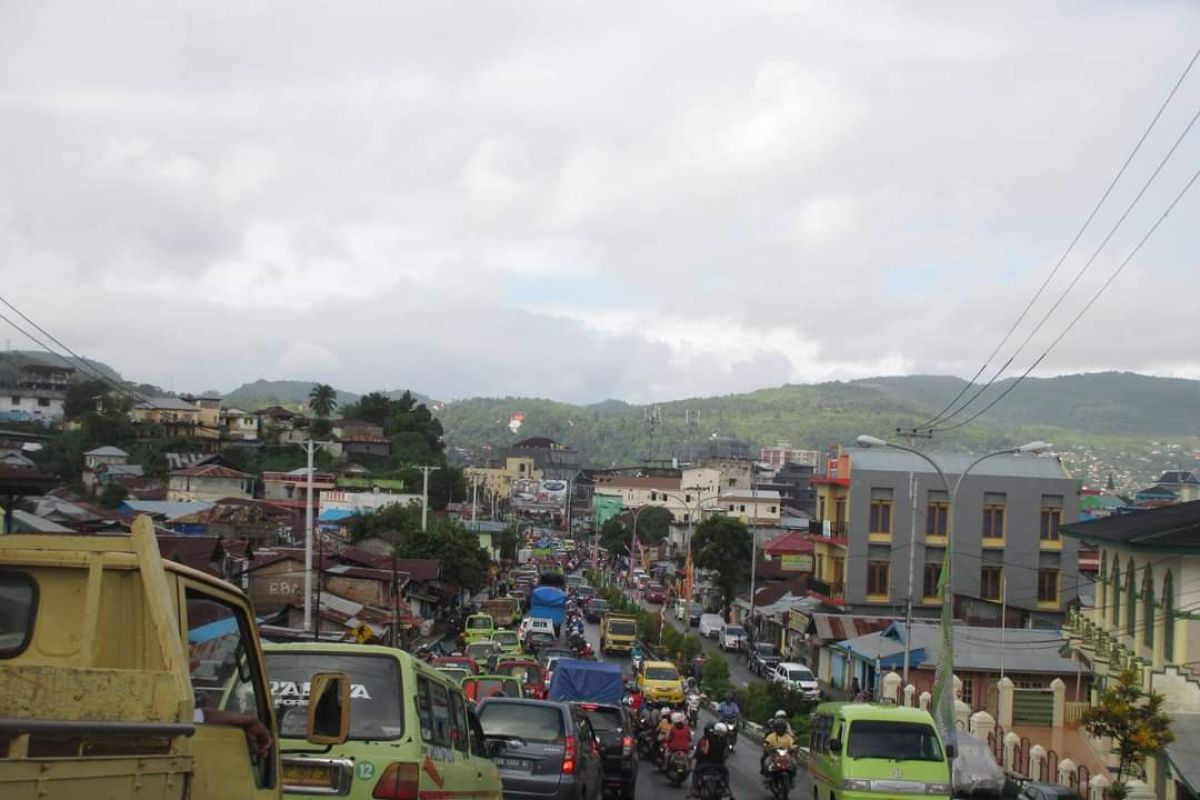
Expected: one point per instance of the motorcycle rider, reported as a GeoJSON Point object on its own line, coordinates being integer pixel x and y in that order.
{"type": "Point", "coordinates": [782, 716]}
{"type": "Point", "coordinates": [693, 702]}
{"type": "Point", "coordinates": [728, 710]}
{"type": "Point", "coordinates": [710, 755]}
{"type": "Point", "coordinates": [663, 728]}
{"type": "Point", "coordinates": [778, 739]}
{"type": "Point", "coordinates": [678, 738]}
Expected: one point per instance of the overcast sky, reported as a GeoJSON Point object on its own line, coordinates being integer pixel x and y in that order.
{"type": "Point", "coordinates": [582, 200]}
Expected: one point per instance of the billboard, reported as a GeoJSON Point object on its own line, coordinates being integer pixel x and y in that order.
{"type": "Point", "coordinates": [530, 493]}
{"type": "Point", "coordinates": [796, 562]}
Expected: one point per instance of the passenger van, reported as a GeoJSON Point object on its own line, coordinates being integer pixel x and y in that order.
{"type": "Point", "coordinates": [864, 751]}
{"type": "Point", "coordinates": [412, 730]}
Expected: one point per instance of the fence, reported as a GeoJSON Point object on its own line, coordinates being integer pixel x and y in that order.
{"type": "Point", "coordinates": [1073, 711]}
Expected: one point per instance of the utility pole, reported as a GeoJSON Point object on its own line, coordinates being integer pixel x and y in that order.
{"type": "Point", "coordinates": [753, 566]}
{"type": "Point", "coordinates": [912, 555]}
{"type": "Point", "coordinates": [310, 447]}
{"type": "Point", "coordinates": [425, 470]}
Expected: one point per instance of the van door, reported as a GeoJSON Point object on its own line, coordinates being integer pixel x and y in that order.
{"type": "Point", "coordinates": [228, 679]}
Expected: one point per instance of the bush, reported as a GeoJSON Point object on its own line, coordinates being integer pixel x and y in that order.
{"type": "Point", "coordinates": [762, 699]}
{"type": "Point", "coordinates": [716, 675]}
{"type": "Point", "coordinates": [690, 648]}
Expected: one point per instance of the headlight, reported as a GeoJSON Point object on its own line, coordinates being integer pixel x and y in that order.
{"type": "Point", "coordinates": [850, 784]}
{"type": "Point", "coordinates": [937, 788]}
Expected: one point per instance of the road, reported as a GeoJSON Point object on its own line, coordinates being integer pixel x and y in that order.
{"type": "Point", "coordinates": [739, 674]}
{"type": "Point", "coordinates": [743, 764]}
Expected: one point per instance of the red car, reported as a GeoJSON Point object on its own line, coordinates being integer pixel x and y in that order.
{"type": "Point", "coordinates": [529, 671]}
{"type": "Point", "coordinates": [456, 661]}
{"type": "Point", "coordinates": [656, 593]}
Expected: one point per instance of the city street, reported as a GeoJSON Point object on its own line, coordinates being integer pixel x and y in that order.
{"type": "Point", "coordinates": [743, 764]}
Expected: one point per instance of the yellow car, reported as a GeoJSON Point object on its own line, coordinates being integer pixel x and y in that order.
{"type": "Point", "coordinates": [660, 682]}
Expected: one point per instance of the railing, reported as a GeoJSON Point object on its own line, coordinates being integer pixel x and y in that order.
{"type": "Point", "coordinates": [1073, 711]}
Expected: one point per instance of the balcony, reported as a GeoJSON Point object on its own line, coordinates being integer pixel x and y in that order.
{"type": "Point", "coordinates": [832, 591]}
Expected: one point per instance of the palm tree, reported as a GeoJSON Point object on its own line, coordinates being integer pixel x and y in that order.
{"type": "Point", "coordinates": [322, 400]}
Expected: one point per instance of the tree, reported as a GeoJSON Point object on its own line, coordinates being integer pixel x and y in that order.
{"type": "Point", "coordinates": [464, 562]}
{"type": "Point", "coordinates": [654, 524]}
{"type": "Point", "coordinates": [614, 537]}
{"type": "Point", "coordinates": [1135, 721]}
{"type": "Point", "coordinates": [322, 400]}
{"type": "Point", "coordinates": [113, 494]}
{"type": "Point", "coordinates": [723, 543]}
{"type": "Point", "coordinates": [81, 398]}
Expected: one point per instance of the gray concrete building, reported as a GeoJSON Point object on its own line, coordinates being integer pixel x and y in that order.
{"type": "Point", "coordinates": [1006, 522]}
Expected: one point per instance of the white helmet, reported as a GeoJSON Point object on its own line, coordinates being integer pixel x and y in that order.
{"type": "Point", "coordinates": [666, 710]}
{"type": "Point", "coordinates": [781, 714]}
{"type": "Point", "coordinates": [677, 718]}
{"type": "Point", "coordinates": [721, 728]}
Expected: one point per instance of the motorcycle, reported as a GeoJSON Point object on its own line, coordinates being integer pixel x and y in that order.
{"type": "Point", "coordinates": [647, 741]}
{"type": "Point", "coordinates": [693, 708]}
{"type": "Point", "coordinates": [781, 773]}
{"type": "Point", "coordinates": [678, 767]}
{"type": "Point", "coordinates": [711, 784]}
{"type": "Point", "coordinates": [731, 721]}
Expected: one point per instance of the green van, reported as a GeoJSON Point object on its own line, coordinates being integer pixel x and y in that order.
{"type": "Point", "coordinates": [864, 751]}
{"type": "Point", "coordinates": [413, 733]}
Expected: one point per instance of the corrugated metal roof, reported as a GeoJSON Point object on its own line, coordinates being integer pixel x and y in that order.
{"type": "Point", "coordinates": [166, 404]}
{"type": "Point", "coordinates": [169, 509]}
{"type": "Point", "coordinates": [107, 450]}
{"type": "Point", "coordinates": [883, 459]}
{"type": "Point", "coordinates": [975, 648]}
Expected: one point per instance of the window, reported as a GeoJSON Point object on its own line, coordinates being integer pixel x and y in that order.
{"type": "Point", "coordinates": [687, 498]}
{"type": "Point", "coordinates": [1051, 519]}
{"type": "Point", "coordinates": [376, 708]}
{"type": "Point", "coordinates": [1148, 607]}
{"type": "Point", "coordinates": [877, 577]}
{"type": "Point", "coordinates": [1130, 598]}
{"type": "Point", "coordinates": [18, 607]}
{"type": "Point", "coordinates": [990, 580]}
{"type": "Point", "coordinates": [933, 574]}
{"type": "Point", "coordinates": [1047, 586]}
{"type": "Point", "coordinates": [44, 402]}
{"type": "Point", "coordinates": [732, 482]}
{"type": "Point", "coordinates": [968, 688]}
{"type": "Point", "coordinates": [993, 515]}
{"type": "Point", "coordinates": [742, 508]}
{"type": "Point", "coordinates": [822, 726]}
{"type": "Point", "coordinates": [772, 509]}
{"type": "Point", "coordinates": [433, 709]}
{"type": "Point", "coordinates": [937, 514]}
{"type": "Point", "coordinates": [881, 511]}
{"type": "Point", "coordinates": [1168, 615]}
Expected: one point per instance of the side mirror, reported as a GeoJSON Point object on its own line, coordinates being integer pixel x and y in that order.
{"type": "Point", "coordinates": [329, 708]}
{"type": "Point", "coordinates": [835, 747]}
{"type": "Point", "coordinates": [951, 751]}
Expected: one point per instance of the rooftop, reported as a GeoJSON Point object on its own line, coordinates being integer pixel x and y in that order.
{"type": "Point", "coordinates": [883, 459]}
{"type": "Point", "coordinates": [109, 451]}
{"type": "Point", "coordinates": [1170, 527]}
{"type": "Point", "coordinates": [976, 649]}
{"type": "Point", "coordinates": [639, 482]}
{"type": "Point", "coordinates": [212, 471]}
{"type": "Point", "coordinates": [165, 404]}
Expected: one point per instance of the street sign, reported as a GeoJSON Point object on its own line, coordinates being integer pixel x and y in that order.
{"type": "Point", "coordinates": [362, 633]}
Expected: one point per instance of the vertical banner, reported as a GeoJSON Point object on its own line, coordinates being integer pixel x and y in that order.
{"type": "Point", "coordinates": [943, 679]}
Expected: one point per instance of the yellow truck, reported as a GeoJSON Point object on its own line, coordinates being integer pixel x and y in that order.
{"type": "Point", "coordinates": [618, 633]}
{"type": "Point", "coordinates": [123, 675]}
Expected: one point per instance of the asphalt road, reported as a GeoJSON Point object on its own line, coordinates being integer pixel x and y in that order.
{"type": "Point", "coordinates": [743, 764]}
{"type": "Point", "coordinates": [739, 674]}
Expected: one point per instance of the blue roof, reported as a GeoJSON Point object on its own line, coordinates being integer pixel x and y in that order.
{"type": "Point", "coordinates": [334, 515]}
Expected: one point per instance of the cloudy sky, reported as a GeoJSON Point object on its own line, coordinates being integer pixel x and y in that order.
{"type": "Point", "coordinates": [582, 200]}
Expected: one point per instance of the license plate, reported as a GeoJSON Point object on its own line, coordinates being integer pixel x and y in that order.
{"type": "Point", "coordinates": [519, 764]}
{"type": "Point", "coordinates": [309, 775]}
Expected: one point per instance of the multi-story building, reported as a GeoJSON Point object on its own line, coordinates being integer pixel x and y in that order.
{"type": "Point", "coordinates": [36, 391]}
{"type": "Point", "coordinates": [1006, 521]}
{"type": "Point", "coordinates": [290, 489]}
{"type": "Point", "coordinates": [784, 455]}
{"type": "Point", "coordinates": [755, 507]}
{"type": "Point", "coordinates": [686, 494]}
{"type": "Point", "coordinates": [1145, 619]}
{"type": "Point", "coordinates": [497, 481]}
{"type": "Point", "coordinates": [210, 483]}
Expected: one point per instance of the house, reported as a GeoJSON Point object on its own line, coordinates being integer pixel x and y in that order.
{"type": "Point", "coordinates": [357, 443]}
{"type": "Point", "coordinates": [97, 478]}
{"type": "Point", "coordinates": [554, 460]}
{"type": "Point", "coordinates": [1184, 483]}
{"type": "Point", "coordinates": [354, 503]}
{"type": "Point", "coordinates": [210, 482]}
{"type": "Point", "coordinates": [755, 507]}
{"type": "Point", "coordinates": [176, 515]}
{"type": "Point", "coordinates": [290, 489]}
{"type": "Point", "coordinates": [498, 481]}
{"type": "Point", "coordinates": [275, 419]}
{"type": "Point", "coordinates": [425, 593]}
{"type": "Point", "coordinates": [33, 390]}
{"type": "Point", "coordinates": [239, 425]}
{"type": "Point", "coordinates": [814, 632]}
{"type": "Point", "coordinates": [1007, 518]}
{"type": "Point", "coordinates": [793, 551]}
{"type": "Point", "coordinates": [1143, 619]}
{"type": "Point", "coordinates": [104, 455]}
{"type": "Point", "coordinates": [174, 416]}
{"type": "Point", "coordinates": [208, 414]}
{"type": "Point", "coordinates": [783, 454]}
{"type": "Point", "coordinates": [1032, 659]}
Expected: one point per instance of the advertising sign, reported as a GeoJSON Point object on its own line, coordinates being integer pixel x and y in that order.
{"type": "Point", "coordinates": [796, 562]}
{"type": "Point", "coordinates": [529, 493]}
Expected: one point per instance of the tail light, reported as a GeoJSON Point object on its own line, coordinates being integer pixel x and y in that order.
{"type": "Point", "coordinates": [400, 781]}
{"type": "Point", "coordinates": [568, 767]}
{"type": "Point", "coordinates": [627, 746]}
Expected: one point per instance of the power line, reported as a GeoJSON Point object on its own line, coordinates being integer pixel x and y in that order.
{"type": "Point", "coordinates": [940, 416]}
{"type": "Point", "coordinates": [1086, 307]}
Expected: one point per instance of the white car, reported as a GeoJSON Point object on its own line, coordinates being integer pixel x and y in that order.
{"type": "Point", "coordinates": [681, 609]}
{"type": "Point", "coordinates": [534, 624]}
{"type": "Point", "coordinates": [711, 625]}
{"type": "Point", "coordinates": [798, 678]}
{"type": "Point", "coordinates": [731, 637]}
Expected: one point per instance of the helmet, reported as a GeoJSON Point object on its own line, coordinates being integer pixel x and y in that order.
{"type": "Point", "coordinates": [720, 728]}
{"type": "Point", "coordinates": [778, 725]}
{"type": "Point", "coordinates": [666, 709]}
{"type": "Point", "coordinates": [781, 714]}
{"type": "Point", "coordinates": [677, 718]}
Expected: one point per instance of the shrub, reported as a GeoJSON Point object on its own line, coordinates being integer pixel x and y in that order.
{"type": "Point", "coordinates": [761, 700]}
{"type": "Point", "coordinates": [716, 675]}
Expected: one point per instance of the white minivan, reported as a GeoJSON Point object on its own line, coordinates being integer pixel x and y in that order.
{"type": "Point", "coordinates": [798, 678]}
{"type": "Point", "coordinates": [731, 637]}
{"type": "Point", "coordinates": [711, 625]}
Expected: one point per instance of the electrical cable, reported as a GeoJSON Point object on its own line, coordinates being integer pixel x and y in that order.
{"type": "Point", "coordinates": [941, 415]}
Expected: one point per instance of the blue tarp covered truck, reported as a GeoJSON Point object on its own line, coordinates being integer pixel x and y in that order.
{"type": "Point", "coordinates": [548, 602]}
{"type": "Point", "coordinates": [587, 682]}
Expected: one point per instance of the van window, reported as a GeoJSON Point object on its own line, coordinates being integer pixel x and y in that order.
{"type": "Point", "coordinates": [529, 721]}
{"type": "Point", "coordinates": [376, 711]}
{"type": "Point", "coordinates": [219, 648]}
{"type": "Point", "coordinates": [18, 601]}
{"type": "Point", "coordinates": [459, 730]}
{"type": "Point", "coordinates": [895, 741]}
{"type": "Point", "coordinates": [819, 740]}
{"type": "Point", "coordinates": [476, 734]}
{"type": "Point", "coordinates": [479, 624]}
{"type": "Point", "coordinates": [435, 699]}
{"type": "Point", "coordinates": [621, 627]}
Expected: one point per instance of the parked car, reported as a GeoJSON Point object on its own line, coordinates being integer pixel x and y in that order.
{"type": "Point", "coordinates": [656, 593]}
{"type": "Point", "coordinates": [596, 609]}
{"type": "Point", "coordinates": [731, 637]}
{"type": "Point", "coordinates": [1046, 791]}
{"type": "Point", "coordinates": [614, 727]}
{"type": "Point", "coordinates": [798, 678]}
{"type": "Point", "coordinates": [695, 611]}
{"type": "Point", "coordinates": [544, 750]}
{"type": "Point", "coordinates": [764, 658]}
{"type": "Point", "coordinates": [710, 625]}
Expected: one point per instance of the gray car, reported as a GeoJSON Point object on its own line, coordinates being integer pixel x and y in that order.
{"type": "Point", "coordinates": [544, 750]}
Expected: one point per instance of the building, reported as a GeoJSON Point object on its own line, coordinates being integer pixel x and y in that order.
{"type": "Point", "coordinates": [104, 456]}
{"type": "Point", "coordinates": [290, 489]}
{"type": "Point", "coordinates": [337, 504]}
{"type": "Point", "coordinates": [175, 416]}
{"type": "Point", "coordinates": [210, 483]}
{"type": "Point", "coordinates": [1144, 619]}
{"type": "Point", "coordinates": [1007, 520]}
{"type": "Point", "coordinates": [556, 461]}
{"type": "Point", "coordinates": [208, 414]}
{"type": "Point", "coordinates": [1183, 483]}
{"type": "Point", "coordinates": [755, 507]}
{"type": "Point", "coordinates": [240, 425]}
{"type": "Point", "coordinates": [35, 390]}
{"type": "Point", "coordinates": [497, 481]}
{"type": "Point", "coordinates": [784, 455]}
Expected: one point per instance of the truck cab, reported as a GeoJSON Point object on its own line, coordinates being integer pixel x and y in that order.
{"type": "Point", "coordinates": [618, 633]}
{"type": "Point", "coordinates": [125, 672]}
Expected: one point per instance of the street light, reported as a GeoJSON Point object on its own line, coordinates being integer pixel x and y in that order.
{"type": "Point", "coordinates": [946, 662]}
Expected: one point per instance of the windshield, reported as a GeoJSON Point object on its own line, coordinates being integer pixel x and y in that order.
{"type": "Point", "coordinates": [375, 708]}
{"type": "Point", "coordinates": [894, 741]}
{"type": "Point", "coordinates": [800, 675]}
{"type": "Point", "coordinates": [767, 650]}
{"type": "Point", "coordinates": [454, 673]}
{"type": "Point", "coordinates": [491, 687]}
{"type": "Point", "coordinates": [533, 721]}
{"type": "Point", "coordinates": [598, 605]}
{"type": "Point", "coordinates": [479, 624]}
{"type": "Point", "coordinates": [661, 674]}
{"type": "Point", "coordinates": [604, 720]}
{"type": "Point", "coordinates": [528, 673]}
{"type": "Point", "coordinates": [505, 637]}
{"type": "Point", "coordinates": [481, 649]}
{"type": "Point", "coordinates": [622, 628]}
{"type": "Point", "coordinates": [734, 630]}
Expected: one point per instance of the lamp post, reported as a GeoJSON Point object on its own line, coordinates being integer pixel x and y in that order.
{"type": "Point", "coordinates": [944, 678]}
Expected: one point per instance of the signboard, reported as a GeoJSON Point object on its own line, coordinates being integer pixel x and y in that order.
{"type": "Point", "coordinates": [548, 494]}
{"type": "Point", "coordinates": [796, 562]}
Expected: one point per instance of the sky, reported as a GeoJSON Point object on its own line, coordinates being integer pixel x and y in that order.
{"type": "Point", "coordinates": [582, 200]}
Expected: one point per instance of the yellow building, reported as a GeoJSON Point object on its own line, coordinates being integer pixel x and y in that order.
{"type": "Point", "coordinates": [829, 548]}
{"type": "Point", "coordinates": [498, 481]}
{"type": "Point", "coordinates": [1144, 618]}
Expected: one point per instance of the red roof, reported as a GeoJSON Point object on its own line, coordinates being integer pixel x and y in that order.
{"type": "Point", "coordinates": [212, 471]}
{"type": "Point", "coordinates": [418, 569]}
{"type": "Point", "coordinates": [795, 542]}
